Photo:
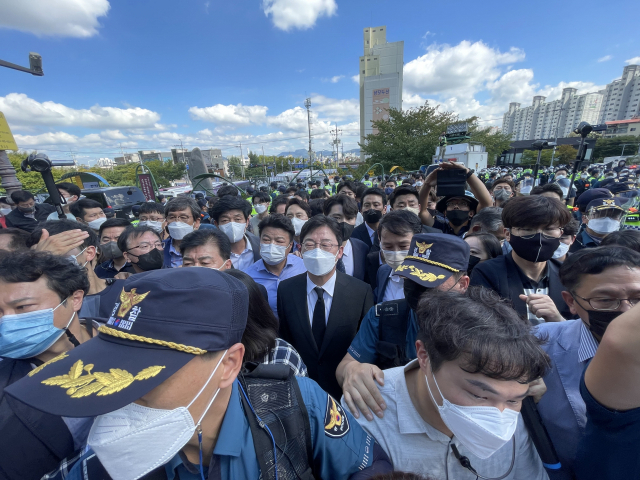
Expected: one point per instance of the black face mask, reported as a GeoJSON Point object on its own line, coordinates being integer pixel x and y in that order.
{"type": "Point", "coordinates": [347, 230]}
{"type": "Point", "coordinates": [599, 320]}
{"type": "Point", "coordinates": [457, 217]}
{"type": "Point", "coordinates": [536, 248]}
{"type": "Point", "coordinates": [152, 260]}
{"type": "Point", "coordinates": [26, 210]}
{"type": "Point", "coordinates": [433, 212]}
{"type": "Point", "coordinates": [372, 216]}
{"type": "Point", "coordinates": [473, 261]}
{"type": "Point", "coordinates": [412, 293]}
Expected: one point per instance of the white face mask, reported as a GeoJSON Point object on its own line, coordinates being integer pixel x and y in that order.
{"type": "Point", "coordinates": [394, 258]}
{"type": "Point", "coordinates": [318, 262]}
{"type": "Point", "coordinates": [260, 208]}
{"type": "Point", "coordinates": [5, 211]}
{"type": "Point", "coordinates": [560, 177]}
{"type": "Point", "coordinates": [157, 226]}
{"type": "Point", "coordinates": [604, 225]}
{"type": "Point", "coordinates": [95, 224]}
{"type": "Point", "coordinates": [179, 230]}
{"type": "Point", "coordinates": [482, 430]}
{"type": "Point", "coordinates": [116, 437]}
{"type": "Point", "coordinates": [234, 231]}
{"type": "Point", "coordinates": [561, 251]}
{"type": "Point", "coordinates": [413, 210]}
{"type": "Point", "coordinates": [298, 224]}
{"type": "Point", "coordinates": [273, 254]}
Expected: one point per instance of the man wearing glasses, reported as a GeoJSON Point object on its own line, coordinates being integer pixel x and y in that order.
{"type": "Point", "coordinates": [320, 310]}
{"type": "Point", "coordinates": [142, 247]}
{"type": "Point", "coordinates": [182, 216]}
{"type": "Point", "coordinates": [600, 284]}
{"type": "Point", "coordinates": [525, 275]}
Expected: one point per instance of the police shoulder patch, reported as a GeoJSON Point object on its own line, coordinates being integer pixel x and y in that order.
{"type": "Point", "coordinates": [336, 423]}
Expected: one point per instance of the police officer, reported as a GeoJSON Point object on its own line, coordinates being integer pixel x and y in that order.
{"type": "Point", "coordinates": [367, 182]}
{"type": "Point", "coordinates": [602, 216]}
{"type": "Point", "coordinates": [387, 334]}
{"type": "Point", "coordinates": [165, 380]}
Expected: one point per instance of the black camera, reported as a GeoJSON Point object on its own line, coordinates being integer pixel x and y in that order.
{"type": "Point", "coordinates": [451, 182]}
{"type": "Point", "coordinates": [40, 163]}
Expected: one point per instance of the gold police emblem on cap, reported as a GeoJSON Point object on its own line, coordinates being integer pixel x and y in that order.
{"type": "Point", "coordinates": [422, 249]}
{"type": "Point", "coordinates": [609, 202]}
{"type": "Point", "coordinates": [128, 300]}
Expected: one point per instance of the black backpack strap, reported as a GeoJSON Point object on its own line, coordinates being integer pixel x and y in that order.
{"type": "Point", "coordinates": [276, 414]}
{"type": "Point", "coordinates": [392, 333]}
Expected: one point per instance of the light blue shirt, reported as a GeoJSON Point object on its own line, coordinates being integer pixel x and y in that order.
{"type": "Point", "coordinates": [257, 271]}
{"type": "Point", "coordinates": [176, 257]}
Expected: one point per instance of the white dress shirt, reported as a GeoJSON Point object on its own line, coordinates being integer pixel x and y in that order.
{"type": "Point", "coordinates": [395, 288]}
{"type": "Point", "coordinates": [347, 258]}
{"type": "Point", "coordinates": [312, 297]}
{"type": "Point", "coordinates": [245, 259]}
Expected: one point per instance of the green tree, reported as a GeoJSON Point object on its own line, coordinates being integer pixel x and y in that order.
{"type": "Point", "coordinates": [409, 138]}
{"type": "Point", "coordinates": [565, 154]}
{"type": "Point", "coordinates": [611, 147]}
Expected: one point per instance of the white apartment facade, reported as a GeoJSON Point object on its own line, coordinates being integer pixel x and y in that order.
{"type": "Point", "coordinates": [622, 97]}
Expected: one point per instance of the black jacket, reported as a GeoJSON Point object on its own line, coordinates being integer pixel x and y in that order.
{"type": "Point", "coordinates": [32, 443]}
{"type": "Point", "coordinates": [501, 275]}
{"type": "Point", "coordinates": [360, 251]}
{"type": "Point", "coordinates": [17, 219]}
{"type": "Point", "coordinates": [352, 299]}
{"type": "Point", "coordinates": [361, 233]}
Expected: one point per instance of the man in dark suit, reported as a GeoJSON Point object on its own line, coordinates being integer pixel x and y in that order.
{"type": "Point", "coordinates": [374, 206]}
{"type": "Point", "coordinates": [27, 213]}
{"type": "Point", "coordinates": [526, 276]}
{"type": "Point", "coordinates": [320, 311]}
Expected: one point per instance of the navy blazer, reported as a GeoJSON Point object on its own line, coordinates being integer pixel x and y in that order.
{"type": "Point", "coordinates": [360, 251]}
{"type": "Point", "coordinates": [361, 233]}
{"type": "Point", "coordinates": [501, 275]}
{"type": "Point", "coordinates": [382, 280]}
{"type": "Point", "coordinates": [562, 409]}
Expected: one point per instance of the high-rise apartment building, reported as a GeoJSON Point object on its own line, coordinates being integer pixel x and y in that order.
{"type": "Point", "coordinates": [542, 120]}
{"type": "Point", "coordinates": [380, 78]}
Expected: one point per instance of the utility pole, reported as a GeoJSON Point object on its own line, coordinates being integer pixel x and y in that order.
{"type": "Point", "coordinates": [241, 161]}
{"type": "Point", "coordinates": [307, 104]}
{"type": "Point", "coordinates": [336, 142]}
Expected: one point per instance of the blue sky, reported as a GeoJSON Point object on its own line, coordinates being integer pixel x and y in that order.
{"type": "Point", "coordinates": [147, 74]}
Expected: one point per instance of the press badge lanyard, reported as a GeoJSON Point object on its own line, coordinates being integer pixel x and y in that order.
{"type": "Point", "coordinates": [466, 463]}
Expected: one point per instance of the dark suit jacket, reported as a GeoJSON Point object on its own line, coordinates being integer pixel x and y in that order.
{"type": "Point", "coordinates": [17, 219]}
{"type": "Point", "coordinates": [501, 275]}
{"type": "Point", "coordinates": [371, 268]}
{"type": "Point", "coordinates": [352, 299]}
{"type": "Point", "coordinates": [382, 280]}
{"type": "Point", "coordinates": [361, 233]}
{"type": "Point", "coordinates": [360, 251]}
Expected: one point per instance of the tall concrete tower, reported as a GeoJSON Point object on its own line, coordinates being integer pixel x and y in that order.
{"type": "Point", "coordinates": [380, 79]}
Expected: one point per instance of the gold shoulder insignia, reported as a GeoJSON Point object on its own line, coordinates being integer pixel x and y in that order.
{"type": "Point", "coordinates": [128, 300]}
{"type": "Point", "coordinates": [53, 360]}
{"type": "Point", "coordinates": [79, 385]}
{"type": "Point", "coordinates": [423, 246]}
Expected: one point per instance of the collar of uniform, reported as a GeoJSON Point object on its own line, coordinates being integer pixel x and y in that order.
{"type": "Point", "coordinates": [260, 266]}
{"type": "Point", "coordinates": [588, 344]}
{"type": "Point", "coordinates": [410, 422]}
{"type": "Point", "coordinates": [347, 251]}
{"type": "Point", "coordinates": [327, 287]}
{"type": "Point", "coordinates": [395, 278]}
{"type": "Point", "coordinates": [233, 428]}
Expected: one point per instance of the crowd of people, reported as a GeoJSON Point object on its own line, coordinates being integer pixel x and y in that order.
{"type": "Point", "coordinates": [334, 329]}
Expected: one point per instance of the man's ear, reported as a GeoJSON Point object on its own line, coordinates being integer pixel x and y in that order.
{"type": "Point", "coordinates": [90, 253]}
{"type": "Point", "coordinates": [77, 298]}
{"type": "Point", "coordinates": [507, 235]}
{"type": "Point", "coordinates": [196, 224]}
{"type": "Point", "coordinates": [232, 365]}
{"type": "Point", "coordinates": [570, 301]}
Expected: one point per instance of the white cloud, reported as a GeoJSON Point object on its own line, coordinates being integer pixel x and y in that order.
{"type": "Point", "coordinates": [63, 18]}
{"type": "Point", "coordinates": [21, 110]}
{"type": "Point", "coordinates": [337, 78]}
{"type": "Point", "coordinates": [294, 119]}
{"type": "Point", "coordinates": [234, 115]}
{"type": "Point", "coordinates": [606, 58]}
{"type": "Point", "coordinates": [356, 79]}
{"type": "Point", "coordinates": [335, 109]}
{"type": "Point", "coordinates": [428, 33]}
{"type": "Point", "coordinates": [633, 61]}
{"type": "Point", "coordinates": [300, 14]}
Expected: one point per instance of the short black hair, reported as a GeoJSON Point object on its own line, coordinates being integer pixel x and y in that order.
{"type": "Point", "coordinates": [403, 190]}
{"type": "Point", "coordinates": [400, 222]}
{"type": "Point", "coordinates": [58, 226]}
{"type": "Point", "coordinates": [277, 220]}
{"type": "Point", "coordinates": [534, 211]}
{"type": "Point", "coordinates": [72, 188]}
{"type": "Point", "coordinates": [317, 206]}
{"type": "Point", "coordinates": [151, 207]}
{"type": "Point", "coordinates": [626, 238]}
{"type": "Point", "coordinates": [321, 221]}
{"type": "Point", "coordinates": [230, 203]}
{"type": "Point", "coordinates": [547, 188]}
{"type": "Point", "coordinates": [279, 200]}
{"type": "Point", "coordinates": [20, 196]}
{"type": "Point", "coordinates": [303, 194]}
{"type": "Point", "coordinates": [260, 334]}
{"type": "Point", "coordinates": [77, 209]}
{"type": "Point", "coordinates": [19, 238]}
{"type": "Point", "coordinates": [131, 233]}
{"type": "Point", "coordinates": [391, 180]}
{"type": "Point", "coordinates": [203, 236]}
{"type": "Point", "coordinates": [573, 227]}
{"type": "Point", "coordinates": [263, 197]}
{"type": "Point", "coordinates": [300, 203]}
{"type": "Point", "coordinates": [348, 184]}
{"type": "Point", "coordinates": [592, 261]}
{"type": "Point", "coordinates": [489, 242]}
{"type": "Point", "coordinates": [318, 193]}
{"type": "Point", "coordinates": [113, 222]}
{"type": "Point", "coordinates": [375, 191]}
{"type": "Point", "coordinates": [63, 277]}
{"type": "Point", "coordinates": [177, 204]}
{"type": "Point", "coordinates": [349, 206]}
{"type": "Point", "coordinates": [227, 190]}
{"type": "Point", "coordinates": [484, 330]}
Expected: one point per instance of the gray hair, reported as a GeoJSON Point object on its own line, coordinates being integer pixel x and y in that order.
{"type": "Point", "coordinates": [489, 219]}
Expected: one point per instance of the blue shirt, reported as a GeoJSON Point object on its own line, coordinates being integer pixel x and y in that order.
{"type": "Point", "coordinates": [258, 271]}
{"type": "Point", "coordinates": [234, 454]}
{"type": "Point", "coordinates": [176, 257]}
{"type": "Point", "coordinates": [363, 347]}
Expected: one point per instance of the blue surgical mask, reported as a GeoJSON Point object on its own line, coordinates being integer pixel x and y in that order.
{"type": "Point", "coordinates": [388, 190]}
{"type": "Point", "coordinates": [25, 335]}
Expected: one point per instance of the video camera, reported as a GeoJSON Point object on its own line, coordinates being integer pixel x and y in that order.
{"type": "Point", "coordinates": [39, 162]}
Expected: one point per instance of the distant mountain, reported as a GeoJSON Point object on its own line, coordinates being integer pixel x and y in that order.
{"type": "Point", "coordinates": [300, 153]}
